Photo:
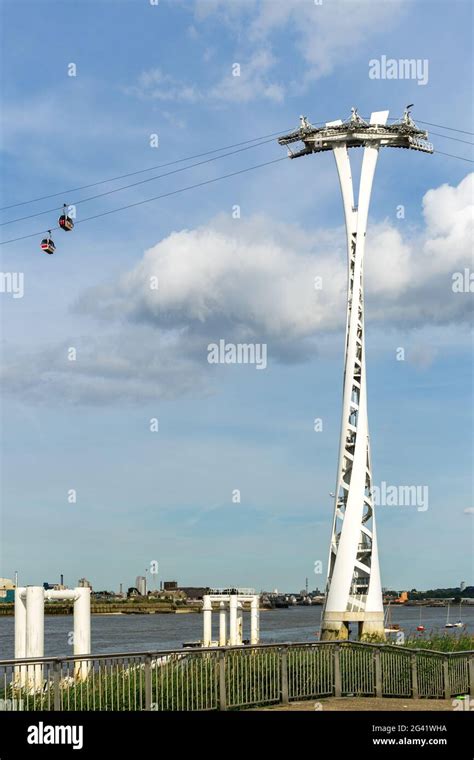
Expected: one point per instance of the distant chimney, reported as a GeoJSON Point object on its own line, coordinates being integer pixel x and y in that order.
{"type": "Point", "coordinates": [62, 580]}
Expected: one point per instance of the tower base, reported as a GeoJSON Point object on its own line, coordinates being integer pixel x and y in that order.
{"type": "Point", "coordinates": [335, 625]}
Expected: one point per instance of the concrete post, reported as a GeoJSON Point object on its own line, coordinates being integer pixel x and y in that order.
{"type": "Point", "coordinates": [254, 620]}
{"type": "Point", "coordinates": [82, 630]}
{"type": "Point", "coordinates": [222, 625]}
{"type": "Point", "coordinates": [20, 635]}
{"type": "Point", "coordinates": [240, 623]}
{"type": "Point", "coordinates": [207, 621]}
{"type": "Point", "coordinates": [35, 633]}
{"type": "Point", "coordinates": [233, 620]}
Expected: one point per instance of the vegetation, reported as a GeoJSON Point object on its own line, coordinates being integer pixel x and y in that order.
{"type": "Point", "coordinates": [253, 677]}
{"type": "Point", "coordinates": [441, 642]}
{"type": "Point", "coordinates": [437, 642]}
{"type": "Point", "coordinates": [441, 593]}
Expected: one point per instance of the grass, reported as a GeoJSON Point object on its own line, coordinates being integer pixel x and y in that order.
{"type": "Point", "coordinates": [253, 677]}
{"type": "Point", "coordinates": [438, 642]}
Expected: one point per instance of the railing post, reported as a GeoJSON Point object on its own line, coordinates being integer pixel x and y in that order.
{"type": "Point", "coordinates": [222, 689]}
{"type": "Point", "coordinates": [447, 685]}
{"type": "Point", "coordinates": [414, 676]}
{"type": "Point", "coordinates": [284, 675]}
{"type": "Point", "coordinates": [147, 682]}
{"type": "Point", "coordinates": [378, 673]}
{"type": "Point", "coordinates": [471, 674]}
{"type": "Point", "coordinates": [337, 671]}
{"type": "Point", "coordinates": [57, 684]}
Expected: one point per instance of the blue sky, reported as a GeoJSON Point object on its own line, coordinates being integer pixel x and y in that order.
{"type": "Point", "coordinates": [84, 425]}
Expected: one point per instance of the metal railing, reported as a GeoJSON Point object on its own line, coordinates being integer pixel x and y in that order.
{"type": "Point", "coordinates": [223, 678]}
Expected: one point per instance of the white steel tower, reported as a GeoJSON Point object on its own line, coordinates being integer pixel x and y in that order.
{"type": "Point", "coordinates": [353, 591]}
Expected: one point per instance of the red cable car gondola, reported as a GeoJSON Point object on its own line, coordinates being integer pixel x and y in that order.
{"type": "Point", "coordinates": [47, 244]}
{"type": "Point", "coordinates": [65, 221]}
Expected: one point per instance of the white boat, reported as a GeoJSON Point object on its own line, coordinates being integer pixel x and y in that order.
{"type": "Point", "coordinates": [448, 624]}
{"type": "Point", "coordinates": [459, 623]}
{"type": "Point", "coordinates": [390, 627]}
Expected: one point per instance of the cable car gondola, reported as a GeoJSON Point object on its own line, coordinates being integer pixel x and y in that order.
{"type": "Point", "coordinates": [47, 244]}
{"type": "Point", "coordinates": [65, 221]}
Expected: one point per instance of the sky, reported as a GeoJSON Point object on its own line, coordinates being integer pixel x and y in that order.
{"type": "Point", "coordinates": [121, 444]}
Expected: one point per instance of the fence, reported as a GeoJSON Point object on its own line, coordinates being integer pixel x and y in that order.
{"type": "Point", "coordinates": [232, 677]}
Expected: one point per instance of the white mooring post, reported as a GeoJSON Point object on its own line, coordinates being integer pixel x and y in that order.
{"type": "Point", "coordinates": [20, 634]}
{"type": "Point", "coordinates": [254, 620]}
{"type": "Point", "coordinates": [35, 633]}
{"type": "Point", "coordinates": [222, 625]}
{"type": "Point", "coordinates": [233, 620]}
{"type": "Point", "coordinates": [82, 630]}
{"type": "Point", "coordinates": [29, 630]}
{"type": "Point", "coordinates": [235, 600]}
{"type": "Point", "coordinates": [207, 621]}
{"type": "Point", "coordinates": [240, 623]}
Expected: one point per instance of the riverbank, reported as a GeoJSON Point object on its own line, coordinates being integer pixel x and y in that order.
{"type": "Point", "coordinates": [129, 607]}
{"type": "Point", "coordinates": [110, 608]}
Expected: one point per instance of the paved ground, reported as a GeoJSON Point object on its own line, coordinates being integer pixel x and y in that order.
{"type": "Point", "coordinates": [368, 704]}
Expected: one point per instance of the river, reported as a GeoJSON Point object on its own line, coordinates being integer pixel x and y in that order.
{"type": "Point", "coordinates": [136, 633]}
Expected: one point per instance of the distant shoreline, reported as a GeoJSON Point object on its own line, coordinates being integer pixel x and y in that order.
{"type": "Point", "coordinates": [122, 608]}
{"type": "Point", "coordinates": [7, 609]}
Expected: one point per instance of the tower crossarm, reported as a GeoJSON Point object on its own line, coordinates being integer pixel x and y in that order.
{"type": "Point", "coordinates": [357, 133]}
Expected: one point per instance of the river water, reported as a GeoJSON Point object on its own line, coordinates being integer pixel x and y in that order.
{"type": "Point", "coordinates": [138, 633]}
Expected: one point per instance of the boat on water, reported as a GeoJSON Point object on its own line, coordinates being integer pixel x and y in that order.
{"type": "Point", "coordinates": [390, 627]}
{"type": "Point", "coordinates": [459, 623]}
{"type": "Point", "coordinates": [420, 627]}
{"type": "Point", "coordinates": [448, 624]}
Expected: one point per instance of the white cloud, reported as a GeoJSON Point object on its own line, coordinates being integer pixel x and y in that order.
{"type": "Point", "coordinates": [325, 35]}
{"type": "Point", "coordinates": [253, 280]}
{"type": "Point", "coordinates": [256, 276]}
{"type": "Point", "coordinates": [156, 85]}
{"type": "Point", "coordinates": [250, 279]}
{"type": "Point", "coordinates": [252, 82]}
{"type": "Point", "coordinates": [320, 38]}
{"type": "Point", "coordinates": [135, 364]}
{"type": "Point", "coordinates": [469, 511]}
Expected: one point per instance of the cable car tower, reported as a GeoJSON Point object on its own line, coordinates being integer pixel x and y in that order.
{"type": "Point", "coordinates": [353, 590]}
